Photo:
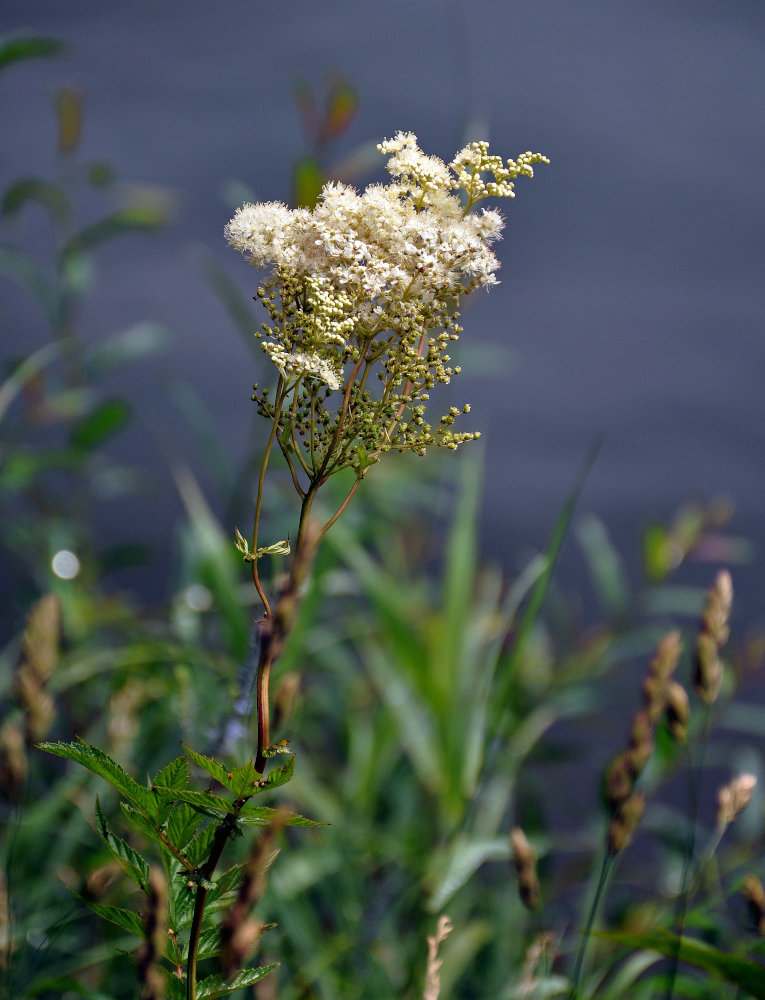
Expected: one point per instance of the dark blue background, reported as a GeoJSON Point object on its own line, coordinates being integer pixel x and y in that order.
{"type": "Point", "coordinates": [632, 291]}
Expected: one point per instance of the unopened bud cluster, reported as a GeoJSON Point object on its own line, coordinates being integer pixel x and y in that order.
{"type": "Point", "coordinates": [662, 696]}
{"type": "Point", "coordinates": [362, 297]}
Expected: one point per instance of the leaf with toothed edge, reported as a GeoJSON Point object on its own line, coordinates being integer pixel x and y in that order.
{"type": "Point", "coordinates": [135, 866]}
{"type": "Point", "coordinates": [218, 986]}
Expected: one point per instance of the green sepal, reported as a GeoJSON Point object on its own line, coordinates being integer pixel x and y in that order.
{"type": "Point", "coordinates": [243, 546]}
{"type": "Point", "coordinates": [276, 748]}
{"type": "Point", "coordinates": [135, 866]}
{"type": "Point", "coordinates": [218, 986]}
{"type": "Point", "coordinates": [277, 549]}
{"type": "Point", "coordinates": [145, 800]}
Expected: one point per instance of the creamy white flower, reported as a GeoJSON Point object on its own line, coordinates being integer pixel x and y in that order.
{"type": "Point", "coordinates": [304, 365]}
{"type": "Point", "coordinates": [374, 278]}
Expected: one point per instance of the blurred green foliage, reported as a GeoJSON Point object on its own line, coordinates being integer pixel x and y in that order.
{"type": "Point", "coordinates": [433, 703]}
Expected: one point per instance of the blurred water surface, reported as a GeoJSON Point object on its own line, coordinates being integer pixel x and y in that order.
{"type": "Point", "coordinates": [632, 295]}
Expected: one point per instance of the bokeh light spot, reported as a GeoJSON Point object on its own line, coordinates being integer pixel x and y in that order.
{"type": "Point", "coordinates": [65, 564]}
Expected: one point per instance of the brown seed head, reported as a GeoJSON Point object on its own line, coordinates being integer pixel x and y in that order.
{"type": "Point", "coordinates": [678, 711]}
{"type": "Point", "coordinates": [525, 861]}
{"type": "Point", "coordinates": [620, 779]}
{"type": "Point", "coordinates": [733, 798]}
{"type": "Point", "coordinates": [755, 897]}
{"type": "Point", "coordinates": [625, 822]}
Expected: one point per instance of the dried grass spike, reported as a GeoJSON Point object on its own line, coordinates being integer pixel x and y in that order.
{"type": "Point", "coordinates": [432, 976]}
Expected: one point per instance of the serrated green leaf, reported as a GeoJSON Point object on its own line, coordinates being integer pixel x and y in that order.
{"type": "Point", "coordinates": [138, 820]}
{"type": "Point", "coordinates": [213, 767]}
{"type": "Point", "coordinates": [13, 50]}
{"type": "Point", "coordinates": [176, 988]}
{"type": "Point", "coordinates": [228, 880]}
{"type": "Point", "coordinates": [252, 815]}
{"type": "Point", "coordinates": [204, 802]}
{"type": "Point", "coordinates": [99, 763]}
{"type": "Point", "coordinates": [277, 777]}
{"type": "Point", "coordinates": [180, 902]}
{"type": "Point", "coordinates": [746, 975]}
{"type": "Point", "coordinates": [135, 866]}
{"type": "Point", "coordinates": [128, 920]}
{"type": "Point", "coordinates": [217, 986]}
{"type": "Point", "coordinates": [182, 826]}
{"type": "Point", "coordinates": [209, 943]}
{"type": "Point", "coordinates": [198, 849]}
{"type": "Point", "coordinates": [243, 779]}
{"type": "Point", "coordinates": [50, 196]}
{"type": "Point", "coordinates": [174, 774]}
{"type": "Point", "coordinates": [106, 420]}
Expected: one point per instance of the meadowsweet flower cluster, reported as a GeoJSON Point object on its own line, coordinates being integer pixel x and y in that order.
{"type": "Point", "coordinates": [362, 298]}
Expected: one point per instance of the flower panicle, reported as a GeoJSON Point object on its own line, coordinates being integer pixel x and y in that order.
{"type": "Point", "coordinates": [362, 299]}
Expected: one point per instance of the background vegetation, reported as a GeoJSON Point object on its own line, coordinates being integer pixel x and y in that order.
{"type": "Point", "coordinates": [433, 703]}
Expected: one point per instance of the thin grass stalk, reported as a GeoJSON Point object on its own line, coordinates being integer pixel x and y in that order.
{"type": "Point", "coordinates": [604, 877]}
{"type": "Point", "coordinates": [681, 906]}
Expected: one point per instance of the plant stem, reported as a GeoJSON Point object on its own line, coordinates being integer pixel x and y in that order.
{"type": "Point", "coordinates": [222, 834]}
{"type": "Point", "coordinates": [259, 499]}
{"type": "Point", "coordinates": [342, 508]}
{"type": "Point", "coordinates": [606, 869]}
{"type": "Point", "coordinates": [273, 631]}
{"type": "Point", "coordinates": [694, 774]}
